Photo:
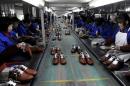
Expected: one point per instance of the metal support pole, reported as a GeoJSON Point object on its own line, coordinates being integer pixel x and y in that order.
{"type": "Point", "coordinates": [73, 21]}
{"type": "Point", "coordinates": [50, 19]}
{"type": "Point", "coordinates": [43, 28]}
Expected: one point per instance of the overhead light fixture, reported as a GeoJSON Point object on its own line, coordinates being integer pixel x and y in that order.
{"type": "Point", "coordinates": [78, 10]}
{"type": "Point", "coordinates": [98, 3]}
{"type": "Point", "coordinates": [48, 9]}
{"type": "Point", "coordinates": [127, 9]}
{"type": "Point", "coordinates": [36, 3]}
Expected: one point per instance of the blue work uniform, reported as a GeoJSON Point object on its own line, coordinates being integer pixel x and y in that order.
{"type": "Point", "coordinates": [5, 42]}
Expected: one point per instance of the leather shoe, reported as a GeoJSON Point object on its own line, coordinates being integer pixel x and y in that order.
{"type": "Point", "coordinates": [109, 61]}
{"type": "Point", "coordinates": [55, 60]}
{"type": "Point", "coordinates": [26, 69]}
{"type": "Point", "coordinates": [82, 59]}
{"type": "Point", "coordinates": [17, 74]}
{"type": "Point", "coordinates": [79, 49]}
{"type": "Point", "coordinates": [88, 59]}
{"type": "Point", "coordinates": [116, 64]}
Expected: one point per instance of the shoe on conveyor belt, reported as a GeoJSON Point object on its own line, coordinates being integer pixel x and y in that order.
{"type": "Point", "coordinates": [53, 50]}
{"type": "Point", "coordinates": [59, 37]}
{"type": "Point", "coordinates": [82, 59]}
{"type": "Point", "coordinates": [78, 49]}
{"type": "Point", "coordinates": [55, 60]}
{"type": "Point", "coordinates": [88, 59]}
{"type": "Point", "coordinates": [73, 50]}
{"type": "Point", "coordinates": [62, 60]}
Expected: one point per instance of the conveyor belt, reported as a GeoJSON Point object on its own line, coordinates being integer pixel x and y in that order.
{"type": "Point", "coordinates": [73, 73]}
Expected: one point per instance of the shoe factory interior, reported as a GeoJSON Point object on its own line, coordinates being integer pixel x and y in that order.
{"type": "Point", "coordinates": [64, 42]}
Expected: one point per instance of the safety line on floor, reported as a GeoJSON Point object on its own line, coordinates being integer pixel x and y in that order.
{"type": "Point", "coordinates": [80, 80]}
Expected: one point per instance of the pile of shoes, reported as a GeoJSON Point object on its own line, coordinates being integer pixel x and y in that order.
{"type": "Point", "coordinates": [112, 62]}
{"type": "Point", "coordinates": [76, 49]}
{"type": "Point", "coordinates": [21, 73]}
{"type": "Point", "coordinates": [84, 59]}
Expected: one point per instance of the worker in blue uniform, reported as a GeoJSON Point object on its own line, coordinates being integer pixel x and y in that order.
{"type": "Point", "coordinates": [121, 39]}
{"type": "Point", "coordinates": [24, 32]}
{"type": "Point", "coordinates": [9, 49]}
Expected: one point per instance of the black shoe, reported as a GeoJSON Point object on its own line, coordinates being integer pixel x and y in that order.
{"type": "Point", "coordinates": [73, 50]}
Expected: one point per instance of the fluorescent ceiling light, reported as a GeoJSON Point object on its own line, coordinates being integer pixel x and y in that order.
{"type": "Point", "coordinates": [98, 3]}
{"type": "Point", "coordinates": [36, 3]}
{"type": "Point", "coordinates": [48, 9]}
{"type": "Point", "coordinates": [78, 10]}
{"type": "Point", "coordinates": [81, 1]}
{"type": "Point", "coordinates": [127, 9]}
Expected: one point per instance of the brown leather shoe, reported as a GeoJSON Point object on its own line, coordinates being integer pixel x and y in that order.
{"type": "Point", "coordinates": [55, 60]}
{"type": "Point", "coordinates": [26, 69]}
{"type": "Point", "coordinates": [20, 75]}
{"type": "Point", "coordinates": [88, 59]}
{"type": "Point", "coordinates": [62, 60]}
{"type": "Point", "coordinates": [109, 61]}
{"type": "Point", "coordinates": [115, 65]}
{"type": "Point", "coordinates": [82, 59]}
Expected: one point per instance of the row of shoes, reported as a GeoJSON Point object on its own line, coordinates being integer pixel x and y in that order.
{"type": "Point", "coordinates": [84, 59]}
{"type": "Point", "coordinates": [56, 37]}
{"type": "Point", "coordinates": [67, 32]}
{"type": "Point", "coordinates": [59, 59]}
{"type": "Point", "coordinates": [55, 50]}
{"type": "Point", "coordinates": [21, 73]}
{"type": "Point", "coordinates": [58, 33]}
{"type": "Point", "coordinates": [112, 62]}
{"type": "Point", "coordinates": [58, 56]}
{"type": "Point", "coordinates": [76, 49]}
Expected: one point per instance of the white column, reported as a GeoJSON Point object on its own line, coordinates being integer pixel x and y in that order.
{"type": "Point", "coordinates": [42, 23]}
